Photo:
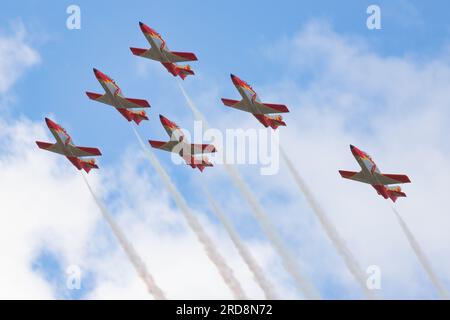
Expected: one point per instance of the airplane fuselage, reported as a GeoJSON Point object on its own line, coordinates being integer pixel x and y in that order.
{"type": "Point", "coordinates": [250, 97]}
{"type": "Point", "coordinates": [112, 90]}
{"type": "Point", "coordinates": [62, 141]}
{"type": "Point", "coordinates": [159, 47]}
{"type": "Point", "coordinates": [369, 167]}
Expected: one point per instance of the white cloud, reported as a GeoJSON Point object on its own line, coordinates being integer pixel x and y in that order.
{"type": "Point", "coordinates": [16, 57]}
{"type": "Point", "coordinates": [393, 107]}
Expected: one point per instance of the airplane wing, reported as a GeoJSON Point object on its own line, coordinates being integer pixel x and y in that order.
{"type": "Point", "coordinates": [386, 179]}
{"type": "Point", "coordinates": [266, 108]}
{"type": "Point", "coordinates": [174, 56]}
{"type": "Point", "coordinates": [202, 148]}
{"type": "Point", "coordinates": [83, 151]}
{"type": "Point", "coordinates": [53, 147]}
{"type": "Point", "coordinates": [357, 176]}
{"type": "Point", "coordinates": [130, 103]}
{"type": "Point", "coordinates": [151, 53]}
{"type": "Point", "coordinates": [240, 105]}
{"type": "Point", "coordinates": [163, 145]}
{"type": "Point", "coordinates": [126, 103]}
{"type": "Point", "coordinates": [103, 98]}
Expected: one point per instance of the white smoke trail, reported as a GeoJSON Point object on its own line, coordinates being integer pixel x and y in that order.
{"type": "Point", "coordinates": [442, 291]}
{"type": "Point", "coordinates": [257, 271]}
{"type": "Point", "coordinates": [329, 228]}
{"type": "Point", "coordinates": [224, 270]}
{"type": "Point", "coordinates": [134, 258]}
{"type": "Point", "coordinates": [289, 263]}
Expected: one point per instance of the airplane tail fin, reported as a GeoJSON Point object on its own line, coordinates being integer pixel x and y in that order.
{"type": "Point", "coordinates": [184, 71]}
{"type": "Point", "coordinates": [88, 164]}
{"type": "Point", "coordinates": [138, 116]}
{"type": "Point", "coordinates": [270, 121]}
{"type": "Point", "coordinates": [199, 163]}
{"type": "Point", "coordinates": [395, 192]}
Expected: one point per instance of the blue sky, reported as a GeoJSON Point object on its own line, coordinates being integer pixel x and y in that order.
{"type": "Point", "coordinates": [228, 37]}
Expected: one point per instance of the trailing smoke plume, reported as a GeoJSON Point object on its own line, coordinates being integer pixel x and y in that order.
{"type": "Point", "coordinates": [443, 293]}
{"type": "Point", "coordinates": [224, 270]}
{"type": "Point", "coordinates": [257, 271]}
{"type": "Point", "coordinates": [131, 253]}
{"type": "Point", "coordinates": [289, 263]}
{"type": "Point", "coordinates": [329, 228]}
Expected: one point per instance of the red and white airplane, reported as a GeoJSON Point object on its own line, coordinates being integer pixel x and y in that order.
{"type": "Point", "coordinates": [186, 150]}
{"type": "Point", "coordinates": [251, 103]}
{"type": "Point", "coordinates": [113, 97]}
{"type": "Point", "coordinates": [65, 146]}
{"type": "Point", "coordinates": [371, 174]}
{"type": "Point", "coordinates": [160, 52]}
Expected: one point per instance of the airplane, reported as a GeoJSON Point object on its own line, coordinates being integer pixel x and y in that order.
{"type": "Point", "coordinates": [371, 174]}
{"type": "Point", "coordinates": [251, 103]}
{"type": "Point", "coordinates": [186, 150]}
{"type": "Point", "coordinates": [160, 52]}
{"type": "Point", "coordinates": [113, 97]}
{"type": "Point", "coordinates": [65, 146]}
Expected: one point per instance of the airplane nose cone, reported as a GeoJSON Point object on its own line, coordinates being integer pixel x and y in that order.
{"type": "Point", "coordinates": [51, 124]}
{"type": "Point", "coordinates": [356, 152]}
{"type": "Point", "coordinates": [235, 79]}
{"type": "Point", "coordinates": [164, 120]}
{"type": "Point", "coordinates": [145, 28]}
{"type": "Point", "coordinates": [100, 75]}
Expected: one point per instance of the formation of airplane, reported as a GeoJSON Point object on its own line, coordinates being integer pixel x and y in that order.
{"type": "Point", "coordinates": [193, 154]}
{"type": "Point", "coordinates": [65, 146]}
{"type": "Point", "coordinates": [251, 103]}
{"type": "Point", "coordinates": [178, 144]}
{"type": "Point", "coordinates": [113, 97]}
{"type": "Point", "coordinates": [371, 174]}
{"type": "Point", "coordinates": [160, 52]}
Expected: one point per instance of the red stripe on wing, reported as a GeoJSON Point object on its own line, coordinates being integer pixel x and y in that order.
{"type": "Point", "coordinates": [229, 102]}
{"type": "Point", "coordinates": [92, 151]}
{"type": "Point", "coordinates": [140, 102]}
{"type": "Point", "coordinates": [278, 107]}
{"type": "Point", "coordinates": [93, 95]}
{"type": "Point", "coordinates": [186, 55]}
{"type": "Point", "coordinates": [138, 51]}
{"type": "Point", "coordinates": [398, 177]}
